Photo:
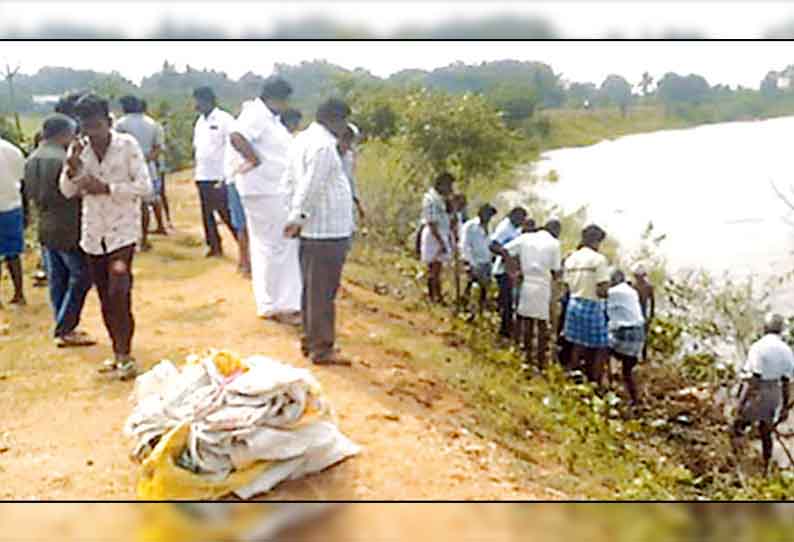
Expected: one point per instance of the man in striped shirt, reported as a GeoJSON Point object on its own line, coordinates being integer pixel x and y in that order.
{"type": "Point", "coordinates": [321, 215]}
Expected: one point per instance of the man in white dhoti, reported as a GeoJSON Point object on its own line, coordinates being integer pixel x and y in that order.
{"type": "Point", "coordinates": [263, 142]}
{"type": "Point", "coordinates": [538, 254]}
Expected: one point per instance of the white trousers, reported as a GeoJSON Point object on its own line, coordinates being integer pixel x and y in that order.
{"type": "Point", "coordinates": [275, 268]}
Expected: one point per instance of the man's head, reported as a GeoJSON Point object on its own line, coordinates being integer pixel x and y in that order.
{"type": "Point", "coordinates": [486, 212]}
{"type": "Point", "coordinates": [517, 216]}
{"type": "Point", "coordinates": [458, 202]}
{"type": "Point", "coordinates": [333, 115]}
{"type": "Point", "coordinates": [204, 99]}
{"type": "Point", "coordinates": [617, 277]}
{"type": "Point", "coordinates": [65, 105]}
{"type": "Point", "coordinates": [291, 119]}
{"type": "Point", "coordinates": [59, 130]}
{"type": "Point", "coordinates": [529, 225]}
{"type": "Point", "coordinates": [94, 114]}
{"type": "Point", "coordinates": [593, 236]}
{"type": "Point", "coordinates": [443, 183]}
{"type": "Point", "coordinates": [640, 272]}
{"type": "Point", "coordinates": [275, 93]}
{"type": "Point", "coordinates": [554, 227]}
{"type": "Point", "coordinates": [774, 323]}
{"type": "Point", "coordinates": [130, 104]}
{"type": "Point", "coordinates": [348, 137]}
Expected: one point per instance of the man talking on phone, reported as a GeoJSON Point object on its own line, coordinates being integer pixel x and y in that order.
{"type": "Point", "coordinates": [108, 170]}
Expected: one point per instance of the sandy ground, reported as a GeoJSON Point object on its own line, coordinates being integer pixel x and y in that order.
{"type": "Point", "coordinates": [60, 427]}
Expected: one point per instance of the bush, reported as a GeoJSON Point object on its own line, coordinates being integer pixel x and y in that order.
{"type": "Point", "coordinates": [178, 121]}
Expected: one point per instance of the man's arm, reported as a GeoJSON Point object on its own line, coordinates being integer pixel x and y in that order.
{"type": "Point", "coordinates": [602, 290]}
{"type": "Point", "coordinates": [784, 382]}
{"type": "Point", "coordinates": [241, 145]}
{"type": "Point", "coordinates": [25, 204]}
{"type": "Point", "coordinates": [140, 184]}
{"type": "Point", "coordinates": [652, 304]}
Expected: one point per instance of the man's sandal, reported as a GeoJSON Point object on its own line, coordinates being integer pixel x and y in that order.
{"type": "Point", "coordinates": [127, 370]}
{"type": "Point", "coordinates": [333, 359]}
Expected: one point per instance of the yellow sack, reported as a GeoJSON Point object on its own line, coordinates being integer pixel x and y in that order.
{"type": "Point", "coordinates": [163, 480]}
{"type": "Point", "coordinates": [171, 523]}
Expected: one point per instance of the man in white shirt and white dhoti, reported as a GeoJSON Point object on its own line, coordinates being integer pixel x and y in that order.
{"type": "Point", "coordinates": [767, 373]}
{"type": "Point", "coordinates": [539, 258]}
{"type": "Point", "coordinates": [263, 142]}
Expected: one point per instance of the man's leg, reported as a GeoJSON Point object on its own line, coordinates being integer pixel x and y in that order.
{"type": "Point", "coordinates": [237, 216]}
{"type": "Point", "coordinates": [628, 364]}
{"type": "Point", "coordinates": [467, 292]}
{"type": "Point", "coordinates": [483, 295]}
{"type": "Point", "coordinates": [164, 199]}
{"type": "Point", "coordinates": [598, 358]}
{"type": "Point", "coordinates": [575, 354]}
{"type": "Point", "coordinates": [98, 267]}
{"type": "Point", "coordinates": [78, 285]}
{"type": "Point", "coordinates": [529, 337]}
{"type": "Point", "coordinates": [15, 268]}
{"type": "Point", "coordinates": [158, 215]}
{"type": "Point", "coordinates": [645, 346]}
{"type": "Point", "coordinates": [119, 293]}
{"type": "Point", "coordinates": [58, 284]}
{"type": "Point", "coordinates": [325, 260]}
{"type": "Point", "coordinates": [304, 255]}
{"type": "Point", "coordinates": [543, 343]}
{"type": "Point", "coordinates": [145, 219]}
{"type": "Point", "coordinates": [221, 206]}
{"type": "Point", "coordinates": [766, 429]}
{"type": "Point", "coordinates": [244, 249]}
{"type": "Point", "coordinates": [211, 236]}
{"type": "Point", "coordinates": [503, 302]}
{"type": "Point", "coordinates": [434, 282]}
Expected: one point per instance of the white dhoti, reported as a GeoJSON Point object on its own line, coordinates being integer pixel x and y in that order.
{"type": "Point", "coordinates": [534, 299]}
{"type": "Point", "coordinates": [275, 269]}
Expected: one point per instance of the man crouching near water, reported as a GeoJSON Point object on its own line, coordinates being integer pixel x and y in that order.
{"type": "Point", "coordinates": [768, 370]}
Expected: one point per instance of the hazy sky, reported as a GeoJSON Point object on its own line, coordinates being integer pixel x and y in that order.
{"type": "Point", "coordinates": [728, 63]}
{"type": "Point", "coordinates": [717, 19]}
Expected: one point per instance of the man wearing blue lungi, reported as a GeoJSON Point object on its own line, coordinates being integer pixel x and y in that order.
{"type": "Point", "coordinates": [586, 272]}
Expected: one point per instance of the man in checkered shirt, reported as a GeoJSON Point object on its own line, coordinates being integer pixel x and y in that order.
{"type": "Point", "coordinates": [321, 215]}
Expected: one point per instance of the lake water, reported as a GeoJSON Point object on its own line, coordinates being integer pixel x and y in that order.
{"type": "Point", "coordinates": [708, 188]}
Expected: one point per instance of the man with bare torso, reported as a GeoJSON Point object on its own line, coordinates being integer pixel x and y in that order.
{"type": "Point", "coordinates": [647, 301]}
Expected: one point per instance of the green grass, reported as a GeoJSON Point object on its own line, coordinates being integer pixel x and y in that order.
{"type": "Point", "coordinates": [577, 128]}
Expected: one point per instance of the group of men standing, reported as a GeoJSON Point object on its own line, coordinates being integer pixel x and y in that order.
{"type": "Point", "coordinates": [288, 198]}
{"type": "Point", "coordinates": [598, 314]}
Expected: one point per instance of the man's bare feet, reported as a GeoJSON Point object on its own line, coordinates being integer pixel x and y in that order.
{"type": "Point", "coordinates": [18, 300]}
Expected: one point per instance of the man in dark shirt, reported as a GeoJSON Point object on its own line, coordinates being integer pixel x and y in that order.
{"type": "Point", "coordinates": [59, 230]}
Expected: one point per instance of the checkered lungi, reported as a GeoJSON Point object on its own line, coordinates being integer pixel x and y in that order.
{"type": "Point", "coordinates": [628, 341]}
{"type": "Point", "coordinates": [586, 323]}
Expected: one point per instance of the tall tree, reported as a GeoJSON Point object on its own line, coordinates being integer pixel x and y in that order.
{"type": "Point", "coordinates": [616, 90]}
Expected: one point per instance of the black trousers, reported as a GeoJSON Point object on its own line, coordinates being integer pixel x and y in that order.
{"type": "Point", "coordinates": [505, 305]}
{"type": "Point", "coordinates": [214, 199]}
